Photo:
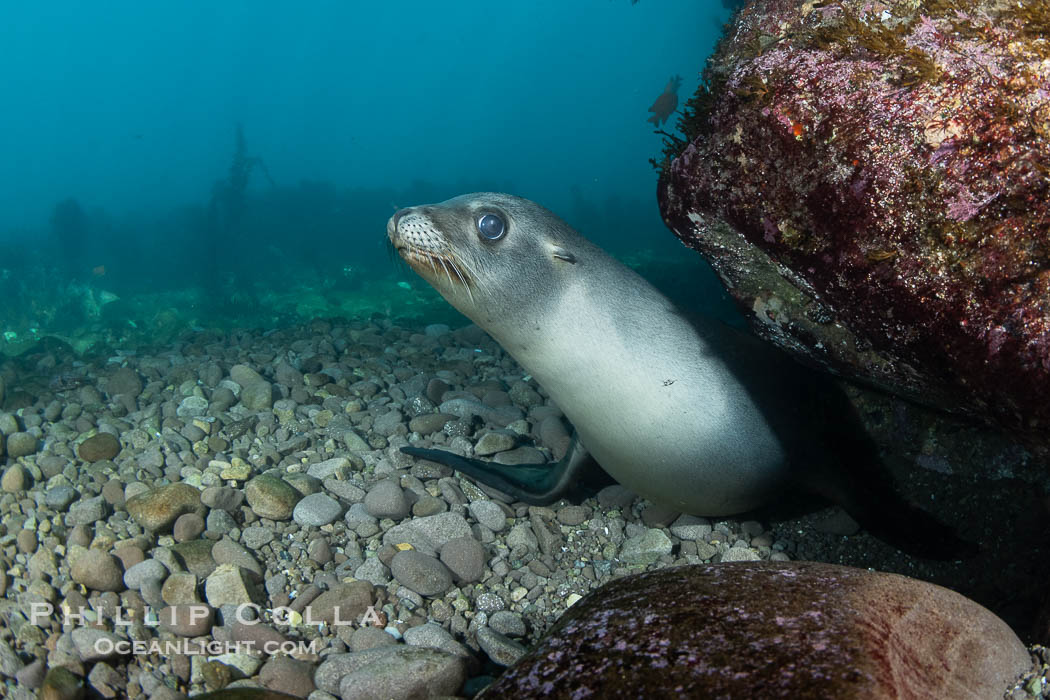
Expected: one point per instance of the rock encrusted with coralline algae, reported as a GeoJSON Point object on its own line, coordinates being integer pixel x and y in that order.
{"type": "Point", "coordinates": [872, 181]}
{"type": "Point", "coordinates": [770, 630]}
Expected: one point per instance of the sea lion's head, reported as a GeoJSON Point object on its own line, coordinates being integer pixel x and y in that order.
{"type": "Point", "coordinates": [487, 253]}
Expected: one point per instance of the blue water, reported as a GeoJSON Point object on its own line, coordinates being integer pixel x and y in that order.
{"type": "Point", "coordinates": [121, 122]}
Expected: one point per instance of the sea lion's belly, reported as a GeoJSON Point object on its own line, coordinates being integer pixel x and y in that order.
{"type": "Point", "coordinates": [664, 416]}
{"type": "Point", "coordinates": [701, 454]}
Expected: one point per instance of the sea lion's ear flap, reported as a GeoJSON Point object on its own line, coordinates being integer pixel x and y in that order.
{"type": "Point", "coordinates": [561, 254]}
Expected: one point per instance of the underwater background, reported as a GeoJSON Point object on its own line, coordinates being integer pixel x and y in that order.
{"type": "Point", "coordinates": [178, 166]}
{"type": "Point", "coordinates": [211, 359]}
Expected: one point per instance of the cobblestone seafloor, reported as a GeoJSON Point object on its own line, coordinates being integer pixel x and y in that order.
{"type": "Point", "coordinates": [263, 469]}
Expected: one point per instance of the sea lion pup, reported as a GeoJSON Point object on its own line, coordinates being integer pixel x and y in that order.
{"type": "Point", "coordinates": [688, 413]}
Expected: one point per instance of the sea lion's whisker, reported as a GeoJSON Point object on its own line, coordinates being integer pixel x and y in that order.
{"type": "Point", "coordinates": [470, 265]}
{"type": "Point", "coordinates": [445, 268]}
{"type": "Point", "coordinates": [459, 274]}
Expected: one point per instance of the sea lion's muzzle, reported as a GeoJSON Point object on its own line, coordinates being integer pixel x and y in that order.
{"type": "Point", "coordinates": [422, 245]}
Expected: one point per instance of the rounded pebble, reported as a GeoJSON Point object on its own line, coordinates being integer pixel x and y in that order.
{"type": "Point", "coordinates": [271, 497]}
{"type": "Point", "coordinates": [421, 573]}
{"type": "Point", "coordinates": [26, 541]}
{"type": "Point", "coordinates": [287, 675]}
{"type": "Point", "coordinates": [646, 548]}
{"type": "Point", "coordinates": [508, 623]}
{"type": "Point", "coordinates": [148, 570]}
{"type": "Point", "coordinates": [188, 526]}
{"type": "Point", "coordinates": [386, 500]}
{"type": "Point", "coordinates": [573, 515]}
{"type": "Point", "coordinates": [489, 514]}
{"type": "Point", "coordinates": [465, 558]}
{"type": "Point", "coordinates": [21, 445]}
{"type": "Point", "coordinates": [192, 406]}
{"type": "Point", "coordinates": [98, 447]}
{"type": "Point", "coordinates": [98, 571]}
{"type": "Point", "coordinates": [501, 649]}
{"type": "Point", "coordinates": [88, 511]}
{"type": "Point", "coordinates": [59, 497]}
{"type": "Point", "coordinates": [316, 510]}
{"type": "Point", "coordinates": [157, 509]}
{"type": "Point", "coordinates": [191, 620]}
{"type": "Point", "coordinates": [15, 479]}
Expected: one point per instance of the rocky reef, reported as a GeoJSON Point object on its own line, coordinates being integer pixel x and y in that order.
{"type": "Point", "coordinates": [770, 629]}
{"type": "Point", "coordinates": [870, 181]}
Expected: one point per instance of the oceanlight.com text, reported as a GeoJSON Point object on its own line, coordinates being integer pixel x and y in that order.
{"type": "Point", "coordinates": [106, 647]}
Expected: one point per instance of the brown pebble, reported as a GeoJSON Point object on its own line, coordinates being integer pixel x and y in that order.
{"type": "Point", "coordinates": [180, 588]}
{"type": "Point", "coordinates": [26, 541]}
{"type": "Point", "coordinates": [258, 634]}
{"type": "Point", "coordinates": [573, 515]}
{"type": "Point", "coordinates": [319, 551]}
{"type": "Point", "coordinates": [15, 479]}
{"type": "Point", "coordinates": [98, 447]}
{"type": "Point", "coordinates": [837, 522]}
{"type": "Point", "coordinates": [180, 666]}
{"type": "Point", "coordinates": [75, 602]}
{"type": "Point", "coordinates": [429, 505]}
{"type": "Point", "coordinates": [80, 535]}
{"type": "Point", "coordinates": [98, 571]}
{"type": "Point", "coordinates": [113, 493]}
{"type": "Point", "coordinates": [188, 526]}
{"type": "Point", "coordinates": [130, 555]}
{"type": "Point", "coordinates": [158, 508]}
{"type": "Point", "coordinates": [305, 597]}
{"type": "Point", "coordinates": [61, 684]}
{"type": "Point", "coordinates": [287, 675]}
{"type": "Point", "coordinates": [436, 388]}
{"type": "Point", "coordinates": [216, 675]}
{"type": "Point", "coordinates": [364, 638]}
{"type": "Point", "coordinates": [659, 516]}
{"type": "Point", "coordinates": [386, 554]}
{"type": "Point", "coordinates": [187, 620]}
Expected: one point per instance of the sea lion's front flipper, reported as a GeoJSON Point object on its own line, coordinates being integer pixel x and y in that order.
{"type": "Point", "coordinates": [537, 484]}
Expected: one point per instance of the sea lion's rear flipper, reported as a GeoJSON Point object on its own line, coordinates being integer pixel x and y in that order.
{"type": "Point", "coordinates": [862, 484]}
{"type": "Point", "coordinates": [872, 499]}
{"type": "Point", "coordinates": [536, 484]}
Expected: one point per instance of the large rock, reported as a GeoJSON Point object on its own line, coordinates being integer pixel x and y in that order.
{"type": "Point", "coordinates": [771, 630]}
{"type": "Point", "coordinates": [871, 184]}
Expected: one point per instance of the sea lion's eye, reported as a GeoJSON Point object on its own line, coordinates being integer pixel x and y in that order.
{"type": "Point", "coordinates": [491, 227]}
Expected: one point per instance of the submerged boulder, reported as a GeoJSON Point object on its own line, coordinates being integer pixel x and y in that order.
{"type": "Point", "coordinates": [871, 181]}
{"type": "Point", "coordinates": [770, 630]}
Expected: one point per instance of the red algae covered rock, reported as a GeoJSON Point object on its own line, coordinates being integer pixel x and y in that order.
{"type": "Point", "coordinates": [872, 181]}
{"type": "Point", "coordinates": [770, 630]}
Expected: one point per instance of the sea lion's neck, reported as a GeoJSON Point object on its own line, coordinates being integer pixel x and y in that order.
{"type": "Point", "coordinates": [589, 348]}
